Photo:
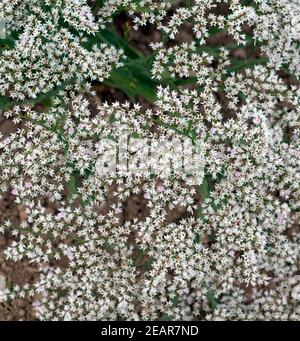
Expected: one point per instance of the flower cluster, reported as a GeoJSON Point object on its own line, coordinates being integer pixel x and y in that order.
{"type": "Point", "coordinates": [47, 53]}
{"type": "Point", "coordinates": [220, 241]}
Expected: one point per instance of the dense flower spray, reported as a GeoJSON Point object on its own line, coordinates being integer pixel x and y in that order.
{"type": "Point", "coordinates": [233, 253]}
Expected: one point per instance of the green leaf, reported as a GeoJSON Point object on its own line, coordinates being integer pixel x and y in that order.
{"type": "Point", "coordinates": [112, 38]}
{"type": "Point", "coordinates": [72, 185]}
{"type": "Point", "coordinates": [211, 299]}
{"type": "Point", "coordinates": [133, 81]}
{"type": "Point", "coordinates": [245, 64]}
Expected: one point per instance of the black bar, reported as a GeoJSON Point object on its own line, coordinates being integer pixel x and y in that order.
{"type": "Point", "coordinates": [134, 330]}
